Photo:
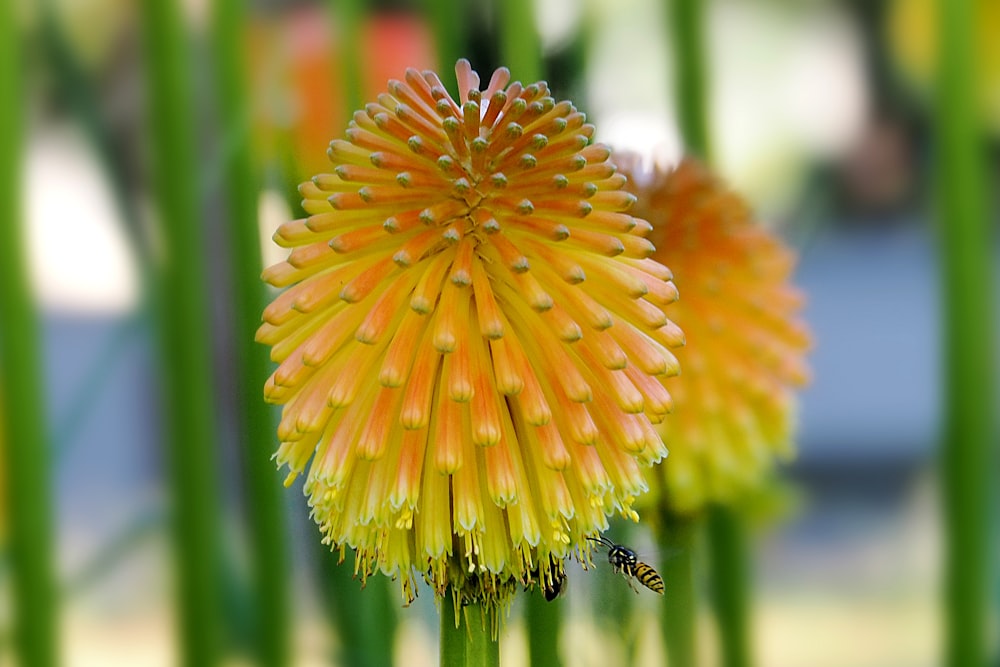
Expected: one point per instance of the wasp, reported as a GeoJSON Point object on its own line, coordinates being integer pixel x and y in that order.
{"type": "Point", "coordinates": [624, 561]}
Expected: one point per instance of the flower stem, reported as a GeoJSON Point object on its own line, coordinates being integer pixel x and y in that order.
{"type": "Point", "coordinates": [520, 46]}
{"type": "Point", "coordinates": [726, 537]}
{"type": "Point", "coordinates": [472, 643]}
{"type": "Point", "coordinates": [968, 456]}
{"type": "Point", "coordinates": [544, 621]}
{"type": "Point", "coordinates": [678, 611]}
{"type": "Point", "coordinates": [251, 361]}
{"type": "Point", "coordinates": [448, 21]}
{"type": "Point", "coordinates": [184, 335]}
{"type": "Point", "coordinates": [454, 643]}
{"type": "Point", "coordinates": [24, 445]}
{"type": "Point", "coordinates": [727, 545]}
{"type": "Point", "coordinates": [687, 21]}
{"type": "Point", "coordinates": [365, 619]}
{"type": "Point", "coordinates": [348, 14]}
{"type": "Point", "coordinates": [484, 648]}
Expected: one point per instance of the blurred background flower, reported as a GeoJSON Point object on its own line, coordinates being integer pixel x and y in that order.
{"type": "Point", "coordinates": [746, 342]}
{"type": "Point", "coordinates": [300, 100]}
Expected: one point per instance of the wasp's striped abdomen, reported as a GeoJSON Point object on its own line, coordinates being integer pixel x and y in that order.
{"type": "Point", "coordinates": [648, 577]}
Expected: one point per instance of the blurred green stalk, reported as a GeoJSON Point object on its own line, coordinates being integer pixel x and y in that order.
{"type": "Point", "coordinates": [687, 23]}
{"type": "Point", "coordinates": [543, 621]}
{"type": "Point", "coordinates": [676, 538]}
{"type": "Point", "coordinates": [268, 535]}
{"type": "Point", "coordinates": [726, 533]}
{"type": "Point", "coordinates": [448, 19]}
{"type": "Point", "coordinates": [470, 644]}
{"type": "Point", "coordinates": [968, 450]}
{"type": "Point", "coordinates": [349, 14]}
{"type": "Point", "coordinates": [184, 334]}
{"type": "Point", "coordinates": [24, 441]}
{"type": "Point", "coordinates": [365, 618]}
{"type": "Point", "coordinates": [520, 45]}
{"type": "Point", "coordinates": [728, 558]}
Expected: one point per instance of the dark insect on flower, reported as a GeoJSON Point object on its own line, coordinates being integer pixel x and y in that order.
{"type": "Point", "coordinates": [551, 580]}
{"type": "Point", "coordinates": [623, 560]}
{"type": "Point", "coordinates": [555, 588]}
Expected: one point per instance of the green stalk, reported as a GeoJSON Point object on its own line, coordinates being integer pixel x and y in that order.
{"type": "Point", "coordinates": [184, 335]}
{"type": "Point", "coordinates": [544, 625]}
{"type": "Point", "coordinates": [967, 456]}
{"type": "Point", "coordinates": [454, 640]}
{"type": "Point", "coordinates": [520, 46]}
{"type": "Point", "coordinates": [726, 534]}
{"type": "Point", "coordinates": [728, 557]}
{"type": "Point", "coordinates": [471, 643]}
{"type": "Point", "coordinates": [678, 616]}
{"type": "Point", "coordinates": [365, 618]}
{"type": "Point", "coordinates": [448, 19]}
{"type": "Point", "coordinates": [349, 14]}
{"type": "Point", "coordinates": [679, 608]}
{"type": "Point", "coordinates": [252, 362]}
{"type": "Point", "coordinates": [24, 444]}
{"type": "Point", "coordinates": [483, 648]}
{"type": "Point", "coordinates": [687, 20]}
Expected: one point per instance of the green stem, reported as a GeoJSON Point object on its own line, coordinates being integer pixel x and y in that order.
{"type": "Point", "coordinates": [349, 14]}
{"type": "Point", "coordinates": [448, 19]}
{"type": "Point", "coordinates": [483, 648]}
{"type": "Point", "coordinates": [471, 643]}
{"type": "Point", "coordinates": [365, 618]}
{"type": "Point", "coordinates": [726, 538]}
{"type": "Point", "coordinates": [454, 638]}
{"type": "Point", "coordinates": [687, 20]}
{"type": "Point", "coordinates": [678, 611]}
{"type": "Point", "coordinates": [968, 455]}
{"type": "Point", "coordinates": [727, 545]}
{"type": "Point", "coordinates": [544, 625]}
{"type": "Point", "coordinates": [24, 444]}
{"type": "Point", "coordinates": [184, 335]}
{"type": "Point", "coordinates": [520, 46]}
{"type": "Point", "coordinates": [252, 362]}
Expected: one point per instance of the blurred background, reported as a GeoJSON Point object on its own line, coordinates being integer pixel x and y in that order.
{"type": "Point", "coordinates": [819, 114]}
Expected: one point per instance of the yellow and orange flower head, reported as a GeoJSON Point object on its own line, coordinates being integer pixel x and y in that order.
{"type": "Point", "coordinates": [472, 337]}
{"type": "Point", "coordinates": [746, 345]}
